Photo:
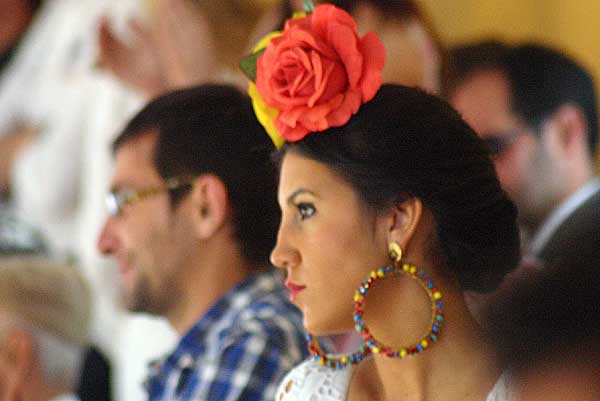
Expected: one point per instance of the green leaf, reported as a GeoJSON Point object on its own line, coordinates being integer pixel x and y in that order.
{"type": "Point", "coordinates": [309, 7]}
{"type": "Point", "coordinates": [248, 65]}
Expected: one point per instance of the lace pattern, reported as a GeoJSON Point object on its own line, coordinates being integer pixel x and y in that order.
{"type": "Point", "coordinates": [313, 382]}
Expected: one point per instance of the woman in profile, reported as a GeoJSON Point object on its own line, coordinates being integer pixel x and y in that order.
{"type": "Point", "coordinates": [391, 209]}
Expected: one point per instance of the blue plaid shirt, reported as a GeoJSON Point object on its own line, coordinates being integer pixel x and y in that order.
{"type": "Point", "coordinates": [239, 350]}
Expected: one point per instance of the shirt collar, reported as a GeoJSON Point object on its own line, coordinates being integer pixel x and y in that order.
{"type": "Point", "coordinates": [560, 215]}
{"type": "Point", "coordinates": [66, 397]}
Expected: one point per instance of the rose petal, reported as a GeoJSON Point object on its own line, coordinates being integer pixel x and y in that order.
{"type": "Point", "coordinates": [334, 82]}
{"type": "Point", "coordinates": [291, 134]}
{"type": "Point", "coordinates": [291, 117]}
{"type": "Point", "coordinates": [282, 94]}
{"type": "Point", "coordinates": [301, 23]}
{"type": "Point", "coordinates": [317, 68]}
{"type": "Point", "coordinates": [315, 118]}
{"type": "Point", "coordinates": [327, 14]}
{"type": "Point", "coordinates": [312, 118]}
{"type": "Point", "coordinates": [349, 105]}
{"type": "Point", "coordinates": [305, 39]}
{"type": "Point", "coordinates": [374, 55]}
{"type": "Point", "coordinates": [345, 42]}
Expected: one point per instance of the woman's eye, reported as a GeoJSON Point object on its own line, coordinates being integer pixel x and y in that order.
{"type": "Point", "coordinates": [306, 210]}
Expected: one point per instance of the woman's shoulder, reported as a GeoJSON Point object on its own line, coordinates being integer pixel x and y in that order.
{"type": "Point", "coordinates": [311, 381]}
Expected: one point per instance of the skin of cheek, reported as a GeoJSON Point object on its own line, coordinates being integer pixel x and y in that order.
{"type": "Point", "coordinates": [330, 250]}
{"type": "Point", "coordinates": [338, 255]}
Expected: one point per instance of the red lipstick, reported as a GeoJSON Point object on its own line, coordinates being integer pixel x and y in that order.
{"type": "Point", "coordinates": [294, 289]}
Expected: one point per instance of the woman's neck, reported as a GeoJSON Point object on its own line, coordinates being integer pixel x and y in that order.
{"type": "Point", "coordinates": [460, 366]}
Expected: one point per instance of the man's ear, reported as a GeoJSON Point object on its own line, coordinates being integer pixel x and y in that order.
{"type": "Point", "coordinates": [16, 364]}
{"type": "Point", "coordinates": [210, 205]}
{"type": "Point", "coordinates": [569, 124]}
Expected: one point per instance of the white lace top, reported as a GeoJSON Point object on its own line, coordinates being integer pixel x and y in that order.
{"type": "Point", "coordinates": [313, 382]}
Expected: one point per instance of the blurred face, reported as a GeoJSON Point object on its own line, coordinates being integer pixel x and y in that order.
{"type": "Point", "coordinates": [149, 240]}
{"type": "Point", "coordinates": [14, 17]}
{"type": "Point", "coordinates": [328, 242]}
{"type": "Point", "coordinates": [523, 164]}
{"type": "Point", "coordinates": [412, 56]}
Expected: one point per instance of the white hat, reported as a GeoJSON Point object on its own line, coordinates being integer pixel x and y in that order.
{"type": "Point", "coordinates": [46, 295]}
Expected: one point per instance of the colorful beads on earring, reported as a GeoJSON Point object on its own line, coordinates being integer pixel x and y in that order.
{"type": "Point", "coordinates": [436, 320]}
{"type": "Point", "coordinates": [335, 362]}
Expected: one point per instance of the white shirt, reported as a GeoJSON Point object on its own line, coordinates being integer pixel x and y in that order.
{"type": "Point", "coordinates": [313, 382]}
{"type": "Point", "coordinates": [560, 215]}
{"type": "Point", "coordinates": [66, 397]}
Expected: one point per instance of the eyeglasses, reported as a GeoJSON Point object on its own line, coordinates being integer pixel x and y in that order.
{"type": "Point", "coordinates": [115, 200]}
{"type": "Point", "coordinates": [499, 143]}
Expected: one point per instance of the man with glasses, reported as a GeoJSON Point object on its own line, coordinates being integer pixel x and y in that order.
{"type": "Point", "coordinates": [193, 217]}
{"type": "Point", "coordinates": [537, 111]}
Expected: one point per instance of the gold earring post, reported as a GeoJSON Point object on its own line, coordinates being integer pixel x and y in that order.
{"type": "Point", "coordinates": [395, 252]}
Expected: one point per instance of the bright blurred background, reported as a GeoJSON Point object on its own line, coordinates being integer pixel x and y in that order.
{"type": "Point", "coordinates": [571, 26]}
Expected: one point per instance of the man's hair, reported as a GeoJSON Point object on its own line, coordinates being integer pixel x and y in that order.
{"type": "Point", "coordinates": [541, 80]}
{"type": "Point", "coordinates": [52, 303]}
{"type": "Point", "coordinates": [212, 129]}
{"type": "Point", "coordinates": [466, 60]}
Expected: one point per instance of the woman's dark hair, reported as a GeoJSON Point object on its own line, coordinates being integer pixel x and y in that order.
{"type": "Point", "coordinates": [405, 141]}
{"type": "Point", "coordinates": [554, 309]}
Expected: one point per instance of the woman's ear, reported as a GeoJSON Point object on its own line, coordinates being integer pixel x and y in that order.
{"type": "Point", "coordinates": [403, 221]}
{"type": "Point", "coordinates": [210, 205]}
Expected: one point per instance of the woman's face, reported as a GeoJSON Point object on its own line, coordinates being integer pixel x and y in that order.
{"type": "Point", "coordinates": [328, 242]}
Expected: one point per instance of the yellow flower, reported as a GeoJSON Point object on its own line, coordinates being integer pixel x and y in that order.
{"type": "Point", "coordinates": [264, 42]}
{"type": "Point", "coordinates": [265, 114]}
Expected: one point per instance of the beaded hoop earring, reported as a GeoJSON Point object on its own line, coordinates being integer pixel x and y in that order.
{"type": "Point", "coordinates": [426, 283]}
{"type": "Point", "coordinates": [335, 362]}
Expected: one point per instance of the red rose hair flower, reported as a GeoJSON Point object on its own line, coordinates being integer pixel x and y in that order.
{"type": "Point", "coordinates": [318, 72]}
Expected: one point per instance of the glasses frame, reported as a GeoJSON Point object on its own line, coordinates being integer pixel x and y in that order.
{"type": "Point", "coordinates": [115, 200]}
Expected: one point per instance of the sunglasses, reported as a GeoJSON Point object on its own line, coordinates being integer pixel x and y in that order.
{"type": "Point", "coordinates": [499, 143]}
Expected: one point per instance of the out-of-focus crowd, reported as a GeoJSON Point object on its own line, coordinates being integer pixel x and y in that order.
{"type": "Point", "coordinates": [88, 91]}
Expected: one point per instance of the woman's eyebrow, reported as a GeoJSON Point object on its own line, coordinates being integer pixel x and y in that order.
{"type": "Point", "coordinates": [300, 191]}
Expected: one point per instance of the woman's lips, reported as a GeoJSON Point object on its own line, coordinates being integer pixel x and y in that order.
{"type": "Point", "coordinates": [294, 289]}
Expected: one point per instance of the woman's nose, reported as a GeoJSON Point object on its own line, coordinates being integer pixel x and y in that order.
{"type": "Point", "coordinates": [283, 255]}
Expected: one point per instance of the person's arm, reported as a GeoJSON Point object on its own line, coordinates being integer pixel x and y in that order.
{"type": "Point", "coordinates": [11, 144]}
{"type": "Point", "coordinates": [176, 50]}
{"type": "Point", "coordinates": [135, 64]}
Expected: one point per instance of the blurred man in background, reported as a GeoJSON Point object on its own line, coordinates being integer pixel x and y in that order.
{"type": "Point", "coordinates": [44, 322]}
{"type": "Point", "coordinates": [193, 218]}
{"type": "Point", "coordinates": [536, 108]}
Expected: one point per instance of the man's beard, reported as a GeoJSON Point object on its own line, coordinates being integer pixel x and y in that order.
{"type": "Point", "coordinates": [143, 298]}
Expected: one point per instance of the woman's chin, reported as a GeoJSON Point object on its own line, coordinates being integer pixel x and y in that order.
{"type": "Point", "coordinates": [325, 327]}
